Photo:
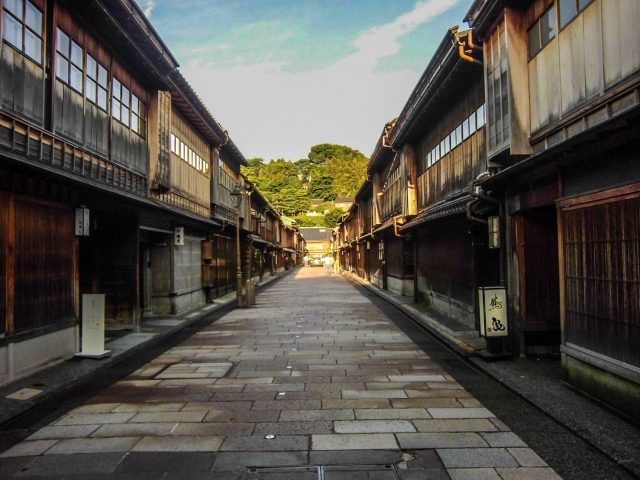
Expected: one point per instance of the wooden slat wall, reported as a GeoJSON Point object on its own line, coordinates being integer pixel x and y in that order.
{"type": "Point", "coordinates": [4, 218]}
{"type": "Point", "coordinates": [621, 56]}
{"type": "Point", "coordinates": [591, 54]}
{"type": "Point", "coordinates": [127, 148]}
{"type": "Point", "coordinates": [21, 86]}
{"type": "Point", "coordinates": [184, 178]}
{"type": "Point", "coordinates": [68, 113]}
{"type": "Point", "coordinates": [454, 171]}
{"type": "Point", "coordinates": [79, 121]}
{"type": "Point", "coordinates": [602, 278]}
{"type": "Point", "coordinates": [44, 263]}
{"type": "Point", "coordinates": [445, 262]}
{"type": "Point", "coordinates": [22, 81]}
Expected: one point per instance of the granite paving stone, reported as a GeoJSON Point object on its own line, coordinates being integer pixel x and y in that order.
{"type": "Point", "coordinates": [373, 426]}
{"type": "Point", "coordinates": [30, 448]}
{"type": "Point", "coordinates": [389, 414]}
{"type": "Point", "coordinates": [429, 403]}
{"type": "Point", "coordinates": [221, 406]}
{"type": "Point", "coordinates": [503, 439]}
{"type": "Point", "coordinates": [455, 425]}
{"type": "Point", "coordinates": [460, 413]}
{"type": "Point", "coordinates": [95, 418]}
{"type": "Point", "coordinates": [211, 429]}
{"type": "Point", "coordinates": [332, 404]}
{"type": "Point", "coordinates": [527, 474]}
{"type": "Point", "coordinates": [81, 464]}
{"type": "Point", "coordinates": [441, 440]}
{"type": "Point", "coordinates": [179, 444]}
{"type": "Point", "coordinates": [328, 375]}
{"type": "Point", "coordinates": [95, 408]}
{"type": "Point", "coordinates": [476, 458]}
{"type": "Point", "coordinates": [282, 443]}
{"type": "Point", "coordinates": [473, 474]}
{"type": "Point", "coordinates": [428, 392]}
{"type": "Point", "coordinates": [355, 441]}
{"type": "Point", "coordinates": [149, 407]}
{"type": "Point", "coordinates": [527, 457]}
{"type": "Point", "coordinates": [293, 428]}
{"type": "Point", "coordinates": [134, 430]}
{"type": "Point", "coordinates": [236, 461]}
{"type": "Point", "coordinates": [314, 415]}
{"type": "Point", "coordinates": [286, 405]}
{"type": "Point", "coordinates": [137, 462]}
{"type": "Point", "coordinates": [353, 394]}
{"type": "Point", "coordinates": [72, 431]}
{"type": "Point", "coordinates": [93, 445]}
{"type": "Point", "coordinates": [163, 417]}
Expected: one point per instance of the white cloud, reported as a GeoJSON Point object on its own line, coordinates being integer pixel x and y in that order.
{"type": "Point", "coordinates": [273, 113]}
{"type": "Point", "coordinates": [148, 8]}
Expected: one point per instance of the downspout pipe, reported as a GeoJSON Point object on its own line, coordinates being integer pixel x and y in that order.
{"type": "Point", "coordinates": [478, 198]}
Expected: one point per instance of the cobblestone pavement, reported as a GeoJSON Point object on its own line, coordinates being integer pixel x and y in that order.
{"type": "Point", "coordinates": [313, 377]}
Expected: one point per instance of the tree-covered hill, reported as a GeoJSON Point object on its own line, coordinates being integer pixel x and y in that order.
{"type": "Point", "coordinates": [328, 172]}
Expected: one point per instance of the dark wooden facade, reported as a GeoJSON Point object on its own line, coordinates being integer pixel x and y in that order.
{"type": "Point", "coordinates": [537, 127]}
{"type": "Point", "coordinates": [90, 105]}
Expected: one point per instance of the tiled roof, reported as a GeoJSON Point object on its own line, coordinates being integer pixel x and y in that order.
{"type": "Point", "coordinates": [315, 233]}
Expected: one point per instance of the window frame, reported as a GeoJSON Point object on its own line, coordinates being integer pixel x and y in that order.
{"type": "Point", "coordinates": [579, 10]}
{"type": "Point", "coordinates": [71, 64]}
{"type": "Point", "coordinates": [187, 154]}
{"type": "Point", "coordinates": [123, 102]}
{"type": "Point", "coordinates": [538, 25]}
{"type": "Point", "coordinates": [97, 85]}
{"type": "Point", "coordinates": [25, 29]}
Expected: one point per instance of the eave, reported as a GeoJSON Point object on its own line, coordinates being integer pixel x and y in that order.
{"type": "Point", "coordinates": [194, 110]}
{"type": "Point", "coordinates": [446, 75]}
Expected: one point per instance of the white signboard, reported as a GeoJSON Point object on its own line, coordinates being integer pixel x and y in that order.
{"type": "Point", "coordinates": [178, 236]}
{"type": "Point", "coordinates": [82, 222]}
{"type": "Point", "coordinates": [93, 327]}
{"type": "Point", "coordinates": [492, 303]}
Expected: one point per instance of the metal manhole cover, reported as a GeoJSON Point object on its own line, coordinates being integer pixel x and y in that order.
{"type": "Point", "coordinates": [324, 472]}
{"type": "Point", "coordinates": [187, 370]}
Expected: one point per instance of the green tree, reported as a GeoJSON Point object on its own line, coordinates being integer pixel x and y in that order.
{"type": "Point", "coordinates": [321, 186]}
{"type": "Point", "coordinates": [304, 169]}
{"type": "Point", "coordinates": [252, 172]}
{"type": "Point", "coordinates": [305, 221]}
{"type": "Point", "coordinates": [332, 217]}
{"type": "Point", "coordinates": [343, 164]}
{"type": "Point", "coordinates": [291, 201]}
{"type": "Point", "coordinates": [348, 171]}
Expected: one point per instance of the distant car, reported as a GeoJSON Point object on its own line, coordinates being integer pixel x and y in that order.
{"type": "Point", "coordinates": [315, 262]}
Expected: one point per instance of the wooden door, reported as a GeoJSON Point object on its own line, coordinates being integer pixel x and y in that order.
{"type": "Point", "coordinates": [537, 235]}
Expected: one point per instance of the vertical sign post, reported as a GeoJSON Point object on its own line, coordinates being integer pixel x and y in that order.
{"type": "Point", "coordinates": [492, 302]}
{"type": "Point", "coordinates": [93, 327]}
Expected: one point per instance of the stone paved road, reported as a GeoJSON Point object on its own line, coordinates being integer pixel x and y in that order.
{"type": "Point", "coordinates": [314, 375]}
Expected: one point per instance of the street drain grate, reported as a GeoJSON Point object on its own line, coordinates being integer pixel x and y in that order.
{"type": "Point", "coordinates": [194, 370]}
{"type": "Point", "coordinates": [386, 471]}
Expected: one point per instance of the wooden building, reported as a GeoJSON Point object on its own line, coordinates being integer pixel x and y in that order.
{"type": "Point", "coordinates": [566, 166]}
{"type": "Point", "coordinates": [317, 240]}
{"type": "Point", "coordinates": [514, 164]}
{"type": "Point", "coordinates": [114, 179]}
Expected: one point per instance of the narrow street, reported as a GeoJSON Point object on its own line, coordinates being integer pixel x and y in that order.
{"type": "Point", "coordinates": [318, 380]}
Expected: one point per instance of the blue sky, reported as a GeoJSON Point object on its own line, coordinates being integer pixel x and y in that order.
{"type": "Point", "coordinates": [284, 75]}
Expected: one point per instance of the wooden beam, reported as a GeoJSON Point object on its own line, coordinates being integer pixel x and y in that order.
{"type": "Point", "coordinates": [10, 266]}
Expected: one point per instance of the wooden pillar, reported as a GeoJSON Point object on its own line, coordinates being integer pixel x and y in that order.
{"type": "Point", "coordinates": [10, 266]}
{"type": "Point", "coordinates": [377, 192]}
{"type": "Point", "coordinates": [410, 170]}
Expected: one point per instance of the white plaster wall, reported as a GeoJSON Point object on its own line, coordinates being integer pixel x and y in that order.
{"type": "Point", "coordinates": [20, 359]}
